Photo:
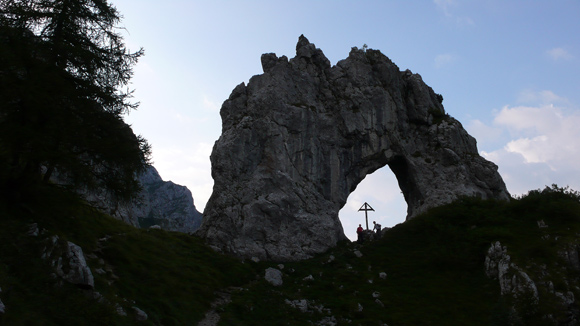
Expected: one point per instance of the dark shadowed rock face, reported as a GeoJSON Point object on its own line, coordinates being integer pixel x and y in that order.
{"type": "Point", "coordinates": [298, 139]}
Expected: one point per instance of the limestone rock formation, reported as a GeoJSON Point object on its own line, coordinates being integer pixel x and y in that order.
{"type": "Point", "coordinates": [69, 262]}
{"type": "Point", "coordinates": [298, 139]}
{"type": "Point", "coordinates": [533, 283]}
{"type": "Point", "coordinates": [162, 203]}
{"type": "Point", "coordinates": [513, 280]}
{"type": "Point", "coordinates": [166, 204]}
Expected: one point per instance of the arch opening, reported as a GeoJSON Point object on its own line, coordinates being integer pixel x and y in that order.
{"type": "Point", "coordinates": [381, 190]}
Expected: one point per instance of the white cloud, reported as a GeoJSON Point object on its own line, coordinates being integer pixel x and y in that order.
{"type": "Point", "coordinates": [559, 54]}
{"type": "Point", "coordinates": [544, 147]}
{"type": "Point", "coordinates": [443, 59]}
{"type": "Point", "coordinates": [543, 119]}
{"type": "Point", "coordinates": [545, 134]}
{"type": "Point", "coordinates": [535, 150]}
{"type": "Point", "coordinates": [521, 176]}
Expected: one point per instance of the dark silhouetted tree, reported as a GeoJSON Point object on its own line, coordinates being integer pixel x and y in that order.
{"type": "Point", "coordinates": [63, 70]}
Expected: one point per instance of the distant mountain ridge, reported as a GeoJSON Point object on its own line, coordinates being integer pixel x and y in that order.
{"type": "Point", "coordinates": [162, 203]}
{"type": "Point", "coordinates": [166, 204]}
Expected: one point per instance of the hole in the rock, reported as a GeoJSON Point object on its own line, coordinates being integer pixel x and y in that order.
{"type": "Point", "coordinates": [381, 191]}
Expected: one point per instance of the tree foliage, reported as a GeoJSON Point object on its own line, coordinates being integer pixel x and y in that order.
{"type": "Point", "coordinates": [63, 70]}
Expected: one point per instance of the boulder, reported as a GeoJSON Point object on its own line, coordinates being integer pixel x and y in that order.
{"type": "Point", "coordinates": [2, 306]}
{"type": "Point", "coordinates": [299, 138]}
{"type": "Point", "coordinates": [140, 315]}
{"type": "Point", "coordinates": [69, 262]}
{"type": "Point", "coordinates": [273, 276]}
{"type": "Point", "coordinates": [513, 280]}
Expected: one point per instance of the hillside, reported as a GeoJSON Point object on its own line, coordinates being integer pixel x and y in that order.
{"type": "Point", "coordinates": [169, 275]}
{"type": "Point", "coordinates": [431, 270]}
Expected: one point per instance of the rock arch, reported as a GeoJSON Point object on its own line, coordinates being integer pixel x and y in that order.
{"type": "Point", "coordinates": [379, 189]}
{"type": "Point", "coordinates": [298, 139]}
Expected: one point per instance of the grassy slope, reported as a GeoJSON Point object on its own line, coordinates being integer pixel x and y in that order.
{"type": "Point", "coordinates": [434, 265]}
{"type": "Point", "coordinates": [170, 276]}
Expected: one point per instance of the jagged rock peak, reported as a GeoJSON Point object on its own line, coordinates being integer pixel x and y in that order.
{"type": "Point", "coordinates": [302, 42]}
{"type": "Point", "coordinates": [298, 139]}
{"type": "Point", "coordinates": [163, 203]}
{"type": "Point", "coordinates": [166, 204]}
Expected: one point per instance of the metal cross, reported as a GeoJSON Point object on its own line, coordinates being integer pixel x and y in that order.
{"type": "Point", "coordinates": [366, 207]}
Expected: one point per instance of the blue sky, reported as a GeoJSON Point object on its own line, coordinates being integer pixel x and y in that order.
{"type": "Point", "coordinates": [509, 71]}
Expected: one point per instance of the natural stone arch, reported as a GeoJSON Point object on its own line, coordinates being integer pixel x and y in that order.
{"type": "Point", "coordinates": [298, 139]}
{"type": "Point", "coordinates": [381, 191]}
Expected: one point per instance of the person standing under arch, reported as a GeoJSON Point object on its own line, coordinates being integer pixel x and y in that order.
{"type": "Point", "coordinates": [360, 234]}
{"type": "Point", "coordinates": [377, 228]}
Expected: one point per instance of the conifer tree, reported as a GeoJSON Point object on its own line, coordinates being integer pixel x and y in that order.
{"type": "Point", "coordinates": [63, 70]}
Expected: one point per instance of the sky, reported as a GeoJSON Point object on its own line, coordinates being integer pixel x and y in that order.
{"type": "Point", "coordinates": [508, 70]}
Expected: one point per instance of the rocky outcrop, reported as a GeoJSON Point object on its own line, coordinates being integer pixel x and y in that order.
{"type": "Point", "coordinates": [535, 285]}
{"type": "Point", "coordinates": [513, 280]}
{"type": "Point", "coordinates": [298, 139]}
{"type": "Point", "coordinates": [69, 262]}
{"type": "Point", "coordinates": [166, 204]}
{"type": "Point", "coordinates": [162, 203]}
{"type": "Point", "coordinates": [571, 255]}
